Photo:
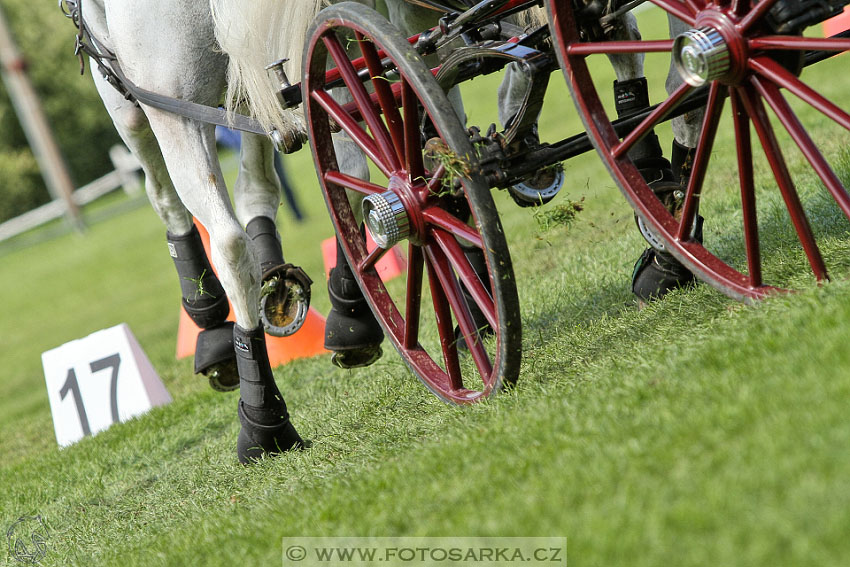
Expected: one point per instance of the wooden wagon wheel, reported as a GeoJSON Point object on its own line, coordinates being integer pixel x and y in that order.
{"type": "Point", "coordinates": [425, 190]}
{"type": "Point", "coordinates": [733, 54]}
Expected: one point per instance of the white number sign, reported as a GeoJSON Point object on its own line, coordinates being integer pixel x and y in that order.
{"type": "Point", "coordinates": [99, 380]}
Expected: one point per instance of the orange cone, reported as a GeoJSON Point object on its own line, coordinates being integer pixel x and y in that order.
{"type": "Point", "coordinates": [392, 264]}
{"type": "Point", "coordinates": [306, 342]}
{"type": "Point", "coordinates": [837, 24]}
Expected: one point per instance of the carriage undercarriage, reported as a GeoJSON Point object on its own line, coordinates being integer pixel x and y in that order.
{"type": "Point", "coordinates": [439, 172]}
{"type": "Point", "coordinates": [455, 320]}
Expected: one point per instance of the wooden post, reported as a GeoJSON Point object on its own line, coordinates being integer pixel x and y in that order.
{"type": "Point", "coordinates": [38, 133]}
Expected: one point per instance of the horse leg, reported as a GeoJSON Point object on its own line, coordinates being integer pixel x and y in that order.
{"type": "Point", "coordinates": [285, 298]}
{"type": "Point", "coordinates": [542, 186]}
{"type": "Point", "coordinates": [189, 152]}
{"type": "Point", "coordinates": [656, 272]}
{"type": "Point", "coordinates": [203, 297]}
{"type": "Point", "coordinates": [351, 331]}
{"type": "Point", "coordinates": [178, 60]}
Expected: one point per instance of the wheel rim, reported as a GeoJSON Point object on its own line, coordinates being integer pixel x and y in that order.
{"type": "Point", "coordinates": [731, 51]}
{"type": "Point", "coordinates": [409, 203]}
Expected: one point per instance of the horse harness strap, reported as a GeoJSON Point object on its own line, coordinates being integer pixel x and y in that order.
{"type": "Point", "coordinates": [107, 64]}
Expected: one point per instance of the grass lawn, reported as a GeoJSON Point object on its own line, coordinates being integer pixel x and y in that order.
{"type": "Point", "coordinates": [696, 431]}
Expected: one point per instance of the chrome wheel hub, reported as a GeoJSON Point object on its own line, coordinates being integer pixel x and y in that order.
{"type": "Point", "coordinates": [386, 218]}
{"type": "Point", "coordinates": [701, 55]}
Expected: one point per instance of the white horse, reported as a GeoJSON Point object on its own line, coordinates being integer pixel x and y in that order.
{"type": "Point", "coordinates": [193, 50]}
{"type": "Point", "coordinates": [170, 48]}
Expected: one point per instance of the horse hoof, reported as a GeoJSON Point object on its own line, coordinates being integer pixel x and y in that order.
{"type": "Point", "coordinates": [257, 441]}
{"type": "Point", "coordinates": [357, 357]}
{"type": "Point", "coordinates": [285, 300]}
{"type": "Point", "coordinates": [538, 189]}
{"type": "Point", "coordinates": [223, 377]}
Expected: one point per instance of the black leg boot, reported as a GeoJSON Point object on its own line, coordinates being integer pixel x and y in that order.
{"type": "Point", "coordinates": [682, 161]}
{"type": "Point", "coordinates": [263, 233]}
{"type": "Point", "coordinates": [206, 304]}
{"type": "Point", "coordinates": [286, 288]}
{"type": "Point", "coordinates": [203, 297]}
{"type": "Point", "coordinates": [266, 429]}
{"type": "Point", "coordinates": [351, 330]}
{"type": "Point", "coordinates": [656, 272]}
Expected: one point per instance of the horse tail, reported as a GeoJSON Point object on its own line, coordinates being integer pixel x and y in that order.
{"type": "Point", "coordinates": [254, 34]}
{"type": "Point", "coordinates": [532, 17]}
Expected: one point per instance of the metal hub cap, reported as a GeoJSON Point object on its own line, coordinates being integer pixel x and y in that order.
{"type": "Point", "coordinates": [386, 218]}
{"type": "Point", "coordinates": [701, 55]}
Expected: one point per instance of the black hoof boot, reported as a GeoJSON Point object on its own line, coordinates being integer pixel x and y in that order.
{"type": "Point", "coordinates": [285, 299]}
{"type": "Point", "coordinates": [479, 265]}
{"type": "Point", "coordinates": [266, 429]}
{"type": "Point", "coordinates": [215, 358]}
{"type": "Point", "coordinates": [656, 272]}
{"type": "Point", "coordinates": [351, 330]}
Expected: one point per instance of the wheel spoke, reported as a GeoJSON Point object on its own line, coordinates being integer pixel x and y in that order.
{"type": "Point", "coordinates": [773, 152]}
{"type": "Point", "coordinates": [748, 195]}
{"type": "Point", "coordinates": [448, 344]}
{"type": "Point", "coordinates": [804, 142]}
{"type": "Point", "coordinates": [636, 46]}
{"type": "Point", "coordinates": [653, 118]}
{"type": "Point", "coordinates": [354, 183]}
{"type": "Point", "coordinates": [759, 10]}
{"type": "Point", "coordinates": [369, 261]}
{"type": "Point", "coordinates": [799, 43]}
{"type": "Point", "coordinates": [435, 182]}
{"type": "Point", "coordinates": [772, 71]}
{"type": "Point", "coordinates": [384, 92]}
{"type": "Point", "coordinates": [352, 128]}
{"type": "Point", "coordinates": [677, 9]}
{"type": "Point", "coordinates": [714, 108]}
{"type": "Point", "coordinates": [467, 275]}
{"type": "Point", "coordinates": [450, 223]}
{"type": "Point", "coordinates": [363, 100]}
{"type": "Point", "coordinates": [739, 7]}
{"type": "Point", "coordinates": [412, 134]}
{"type": "Point", "coordinates": [413, 299]}
{"type": "Point", "coordinates": [454, 296]}
{"type": "Point", "coordinates": [694, 5]}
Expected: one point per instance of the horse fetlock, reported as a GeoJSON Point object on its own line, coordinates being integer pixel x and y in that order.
{"type": "Point", "coordinates": [285, 295]}
{"type": "Point", "coordinates": [203, 296]}
{"type": "Point", "coordinates": [351, 330]}
{"type": "Point", "coordinates": [263, 233]}
{"type": "Point", "coordinates": [630, 98]}
{"type": "Point", "coordinates": [266, 428]}
{"type": "Point", "coordinates": [215, 358]}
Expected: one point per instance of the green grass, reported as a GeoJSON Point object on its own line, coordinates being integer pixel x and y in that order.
{"type": "Point", "coordinates": [696, 431]}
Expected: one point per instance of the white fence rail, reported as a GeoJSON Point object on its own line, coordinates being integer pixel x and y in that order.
{"type": "Point", "coordinates": [125, 175]}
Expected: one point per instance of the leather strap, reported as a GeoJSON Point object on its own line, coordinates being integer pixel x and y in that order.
{"type": "Point", "coordinates": [108, 65]}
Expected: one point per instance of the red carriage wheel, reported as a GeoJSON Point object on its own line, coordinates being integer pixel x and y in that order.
{"type": "Point", "coordinates": [737, 54]}
{"type": "Point", "coordinates": [464, 342]}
